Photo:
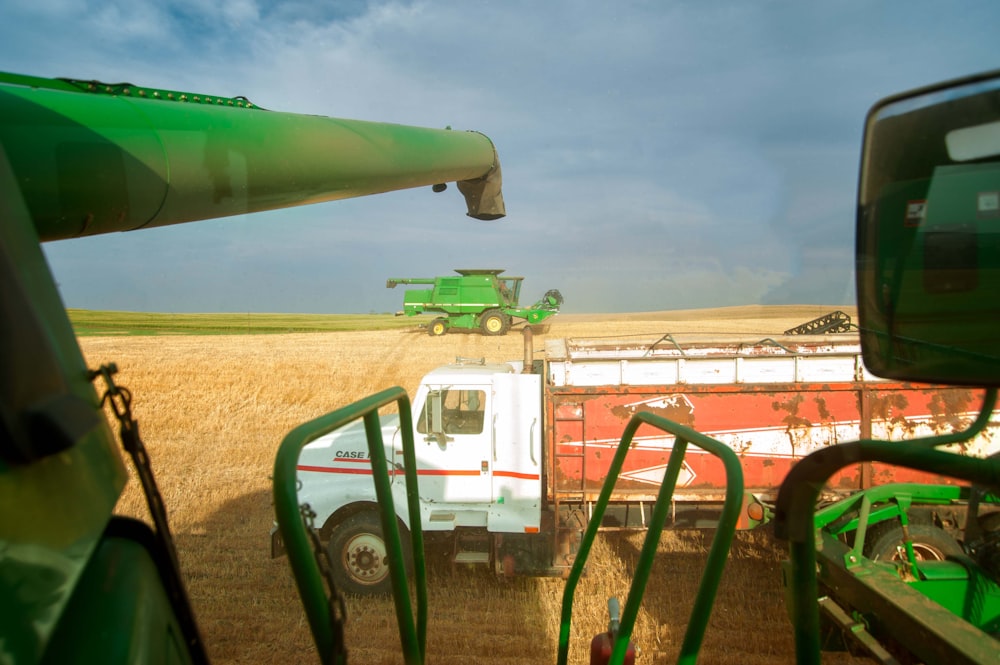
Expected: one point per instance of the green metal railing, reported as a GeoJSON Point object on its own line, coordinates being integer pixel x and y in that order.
{"type": "Point", "coordinates": [301, 554]}
{"type": "Point", "coordinates": [860, 511]}
{"type": "Point", "coordinates": [794, 515]}
{"type": "Point", "coordinates": [717, 554]}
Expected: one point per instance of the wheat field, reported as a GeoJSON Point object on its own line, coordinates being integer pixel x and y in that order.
{"type": "Point", "coordinates": [212, 411]}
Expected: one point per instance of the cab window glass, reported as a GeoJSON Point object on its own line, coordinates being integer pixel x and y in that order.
{"type": "Point", "coordinates": [462, 411]}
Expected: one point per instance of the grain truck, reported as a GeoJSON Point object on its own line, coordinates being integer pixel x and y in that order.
{"type": "Point", "coordinates": [511, 456]}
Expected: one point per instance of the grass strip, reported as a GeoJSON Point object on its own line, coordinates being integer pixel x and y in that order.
{"type": "Point", "coordinates": [104, 323]}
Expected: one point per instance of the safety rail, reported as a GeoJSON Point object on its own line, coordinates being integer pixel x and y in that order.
{"type": "Point", "coordinates": [717, 556]}
{"type": "Point", "coordinates": [308, 577]}
{"type": "Point", "coordinates": [795, 521]}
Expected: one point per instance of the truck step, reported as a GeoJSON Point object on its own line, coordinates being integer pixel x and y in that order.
{"type": "Point", "coordinates": [472, 546]}
{"type": "Point", "coordinates": [472, 557]}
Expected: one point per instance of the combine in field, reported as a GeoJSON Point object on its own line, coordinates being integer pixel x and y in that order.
{"type": "Point", "coordinates": [474, 299]}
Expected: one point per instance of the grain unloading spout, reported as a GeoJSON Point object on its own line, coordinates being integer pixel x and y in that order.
{"type": "Point", "coordinates": [529, 350]}
{"type": "Point", "coordinates": [94, 158]}
{"type": "Point", "coordinates": [483, 195]}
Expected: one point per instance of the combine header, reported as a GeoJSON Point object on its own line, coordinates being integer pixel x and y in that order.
{"type": "Point", "coordinates": [834, 322]}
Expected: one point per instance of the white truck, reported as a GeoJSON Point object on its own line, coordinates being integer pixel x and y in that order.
{"type": "Point", "coordinates": [511, 456]}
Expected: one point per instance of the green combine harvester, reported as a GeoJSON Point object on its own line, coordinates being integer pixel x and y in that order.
{"type": "Point", "coordinates": [475, 298]}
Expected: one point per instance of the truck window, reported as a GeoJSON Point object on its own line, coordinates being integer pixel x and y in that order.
{"type": "Point", "coordinates": [462, 412]}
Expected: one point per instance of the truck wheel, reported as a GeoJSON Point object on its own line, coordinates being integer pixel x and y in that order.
{"type": "Point", "coordinates": [437, 327]}
{"type": "Point", "coordinates": [358, 555]}
{"type": "Point", "coordinates": [495, 322]}
{"type": "Point", "coordinates": [930, 543]}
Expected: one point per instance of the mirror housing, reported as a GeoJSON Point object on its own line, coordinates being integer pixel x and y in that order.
{"type": "Point", "coordinates": [928, 234]}
{"type": "Point", "coordinates": [434, 420]}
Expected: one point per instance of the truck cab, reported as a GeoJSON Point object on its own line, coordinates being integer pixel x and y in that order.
{"type": "Point", "coordinates": [479, 473]}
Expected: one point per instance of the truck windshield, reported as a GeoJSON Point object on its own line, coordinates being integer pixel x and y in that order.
{"type": "Point", "coordinates": [462, 411]}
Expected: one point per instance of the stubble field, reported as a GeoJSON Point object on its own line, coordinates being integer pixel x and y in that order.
{"type": "Point", "coordinates": [213, 409]}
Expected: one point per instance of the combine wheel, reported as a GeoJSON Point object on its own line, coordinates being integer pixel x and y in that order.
{"type": "Point", "coordinates": [495, 322]}
{"type": "Point", "coordinates": [930, 543]}
{"type": "Point", "coordinates": [358, 555]}
{"type": "Point", "coordinates": [437, 327]}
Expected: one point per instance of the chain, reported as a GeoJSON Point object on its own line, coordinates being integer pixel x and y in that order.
{"type": "Point", "coordinates": [338, 609]}
{"type": "Point", "coordinates": [120, 401]}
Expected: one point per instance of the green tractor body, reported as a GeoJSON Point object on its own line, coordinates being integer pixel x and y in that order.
{"type": "Point", "coordinates": [474, 298]}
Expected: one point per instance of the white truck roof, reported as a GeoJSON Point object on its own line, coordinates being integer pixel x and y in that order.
{"type": "Point", "coordinates": [467, 371]}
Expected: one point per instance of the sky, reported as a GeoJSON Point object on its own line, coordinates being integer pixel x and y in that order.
{"type": "Point", "coordinates": [656, 155]}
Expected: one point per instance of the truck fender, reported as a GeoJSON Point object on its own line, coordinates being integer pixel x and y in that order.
{"type": "Point", "coordinates": [340, 515]}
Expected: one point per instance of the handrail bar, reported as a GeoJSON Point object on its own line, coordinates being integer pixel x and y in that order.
{"type": "Point", "coordinates": [718, 552]}
{"type": "Point", "coordinates": [292, 528]}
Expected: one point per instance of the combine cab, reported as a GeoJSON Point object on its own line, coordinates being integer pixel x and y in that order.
{"type": "Point", "coordinates": [474, 299]}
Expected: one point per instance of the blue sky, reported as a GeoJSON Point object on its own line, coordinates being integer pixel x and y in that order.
{"type": "Point", "coordinates": [656, 155]}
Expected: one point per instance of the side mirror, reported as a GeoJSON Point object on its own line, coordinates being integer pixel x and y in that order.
{"type": "Point", "coordinates": [928, 234]}
{"type": "Point", "coordinates": [434, 409]}
{"type": "Point", "coordinates": [434, 422]}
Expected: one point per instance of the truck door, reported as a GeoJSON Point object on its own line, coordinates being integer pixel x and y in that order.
{"type": "Point", "coordinates": [453, 445]}
{"type": "Point", "coordinates": [517, 453]}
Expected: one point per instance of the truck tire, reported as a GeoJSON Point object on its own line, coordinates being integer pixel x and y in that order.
{"type": "Point", "coordinates": [437, 327]}
{"type": "Point", "coordinates": [358, 556]}
{"type": "Point", "coordinates": [495, 322]}
{"type": "Point", "coordinates": [930, 543]}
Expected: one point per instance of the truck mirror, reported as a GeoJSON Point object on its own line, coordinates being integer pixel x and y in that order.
{"type": "Point", "coordinates": [434, 408]}
{"type": "Point", "coordinates": [928, 234]}
{"type": "Point", "coordinates": [433, 420]}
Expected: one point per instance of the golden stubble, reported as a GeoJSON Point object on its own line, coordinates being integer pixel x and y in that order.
{"type": "Point", "coordinates": [212, 411]}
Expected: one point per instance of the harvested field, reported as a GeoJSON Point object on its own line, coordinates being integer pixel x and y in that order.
{"type": "Point", "coordinates": [213, 409]}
